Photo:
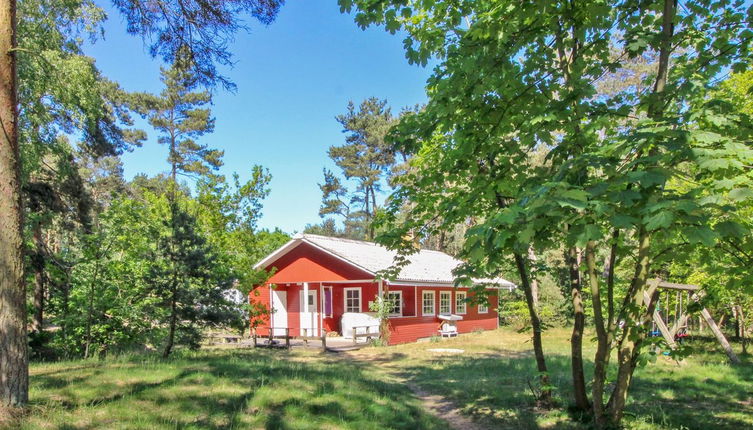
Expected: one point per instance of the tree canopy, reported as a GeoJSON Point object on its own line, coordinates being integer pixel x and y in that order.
{"type": "Point", "coordinates": [629, 176]}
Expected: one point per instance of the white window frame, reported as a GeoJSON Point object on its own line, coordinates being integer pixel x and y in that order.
{"type": "Point", "coordinates": [448, 296]}
{"type": "Point", "coordinates": [345, 299]}
{"type": "Point", "coordinates": [483, 309]}
{"type": "Point", "coordinates": [399, 313]}
{"type": "Point", "coordinates": [433, 303]}
{"type": "Point", "coordinates": [460, 297]}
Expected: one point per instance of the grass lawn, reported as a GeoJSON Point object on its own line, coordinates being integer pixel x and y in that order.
{"type": "Point", "coordinates": [219, 389]}
{"type": "Point", "coordinates": [367, 389]}
{"type": "Point", "coordinates": [490, 382]}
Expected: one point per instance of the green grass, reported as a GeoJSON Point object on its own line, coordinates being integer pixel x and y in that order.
{"type": "Point", "coordinates": [490, 381]}
{"type": "Point", "coordinates": [305, 389]}
{"type": "Point", "coordinates": [219, 389]}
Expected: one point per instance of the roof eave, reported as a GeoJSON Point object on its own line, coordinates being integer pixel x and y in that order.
{"type": "Point", "coordinates": [504, 284]}
{"type": "Point", "coordinates": [277, 254]}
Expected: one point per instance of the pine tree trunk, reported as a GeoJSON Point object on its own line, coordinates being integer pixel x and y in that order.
{"type": "Point", "coordinates": [90, 306]}
{"type": "Point", "coordinates": [66, 290]}
{"type": "Point", "coordinates": [173, 201]}
{"type": "Point", "coordinates": [14, 356]}
{"type": "Point", "coordinates": [37, 323]}
{"type": "Point", "coordinates": [545, 396]}
{"type": "Point", "coordinates": [173, 322]}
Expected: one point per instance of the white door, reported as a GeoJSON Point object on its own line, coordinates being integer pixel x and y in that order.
{"type": "Point", "coordinates": [310, 319]}
{"type": "Point", "coordinates": [280, 312]}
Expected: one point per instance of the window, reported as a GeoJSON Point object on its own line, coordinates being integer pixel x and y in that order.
{"type": "Point", "coordinates": [482, 309]}
{"type": "Point", "coordinates": [395, 298]}
{"type": "Point", "coordinates": [427, 302]}
{"type": "Point", "coordinates": [352, 300]}
{"type": "Point", "coordinates": [460, 302]}
{"type": "Point", "coordinates": [445, 298]}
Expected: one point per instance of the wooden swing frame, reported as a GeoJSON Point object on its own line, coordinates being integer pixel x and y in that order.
{"type": "Point", "coordinates": [669, 333]}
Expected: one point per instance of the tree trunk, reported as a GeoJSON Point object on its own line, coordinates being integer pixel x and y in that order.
{"type": "Point", "coordinates": [173, 323]}
{"type": "Point", "coordinates": [14, 355]}
{"type": "Point", "coordinates": [534, 279]}
{"type": "Point", "coordinates": [572, 256]}
{"type": "Point", "coordinates": [634, 330]}
{"type": "Point", "coordinates": [90, 305]}
{"type": "Point", "coordinates": [370, 212]}
{"type": "Point", "coordinates": [601, 359]}
{"type": "Point", "coordinates": [610, 280]}
{"type": "Point", "coordinates": [442, 245]}
{"type": "Point", "coordinates": [173, 201]}
{"type": "Point", "coordinates": [576, 339]}
{"type": "Point", "coordinates": [636, 319]}
{"type": "Point", "coordinates": [66, 291]}
{"type": "Point", "coordinates": [37, 323]}
{"type": "Point", "coordinates": [741, 328]}
{"type": "Point", "coordinates": [545, 396]}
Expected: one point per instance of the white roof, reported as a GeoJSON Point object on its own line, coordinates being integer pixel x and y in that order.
{"type": "Point", "coordinates": [424, 266]}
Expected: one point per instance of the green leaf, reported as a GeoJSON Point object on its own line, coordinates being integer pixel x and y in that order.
{"type": "Point", "coordinates": [623, 221]}
{"type": "Point", "coordinates": [648, 178]}
{"type": "Point", "coordinates": [713, 164]}
{"type": "Point", "coordinates": [476, 253]}
{"type": "Point", "coordinates": [590, 232]}
{"type": "Point", "coordinates": [740, 194]}
{"type": "Point", "coordinates": [659, 220]}
{"type": "Point", "coordinates": [731, 229]}
{"type": "Point", "coordinates": [702, 235]}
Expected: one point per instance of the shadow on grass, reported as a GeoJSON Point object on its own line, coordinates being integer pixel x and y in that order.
{"type": "Point", "coordinates": [218, 390]}
{"type": "Point", "coordinates": [495, 389]}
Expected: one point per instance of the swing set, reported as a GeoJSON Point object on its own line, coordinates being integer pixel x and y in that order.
{"type": "Point", "coordinates": [671, 320]}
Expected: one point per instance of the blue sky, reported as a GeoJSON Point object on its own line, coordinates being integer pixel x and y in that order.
{"type": "Point", "coordinates": [293, 78]}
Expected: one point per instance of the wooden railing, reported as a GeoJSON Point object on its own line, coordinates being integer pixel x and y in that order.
{"type": "Point", "coordinates": [367, 334]}
{"type": "Point", "coordinates": [271, 336]}
{"type": "Point", "coordinates": [309, 334]}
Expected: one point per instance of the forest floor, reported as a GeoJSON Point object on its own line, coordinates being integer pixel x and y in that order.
{"type": "Point", "coordinates": [400, 387]}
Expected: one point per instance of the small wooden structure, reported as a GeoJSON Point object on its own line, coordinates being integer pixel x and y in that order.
{"type": "Point", "coordinates": [679, 323]}
{"type": "Point", "coordinates": [217, 338]}
{"type": "Point", "coordinates": [270, 337]}
{"type": "Point", "coordinates": [367, 333]}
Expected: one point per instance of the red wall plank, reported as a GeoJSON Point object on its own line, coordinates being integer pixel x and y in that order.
{"type": "Point", "coordinates": [260, 295]}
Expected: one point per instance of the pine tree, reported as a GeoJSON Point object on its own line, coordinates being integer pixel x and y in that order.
{"type": "Point", "coordinates": [180, 114]}
{"type": "Point", "coordinates": [367, 158]}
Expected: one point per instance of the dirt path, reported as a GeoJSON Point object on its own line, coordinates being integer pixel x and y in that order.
{"type": "Point", "coordinates": [435, 404]}
{"type": "Point", "coordinates": [445, 409]}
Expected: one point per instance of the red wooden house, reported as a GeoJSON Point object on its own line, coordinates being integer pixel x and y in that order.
{"type": "Point", "coordinates": [325, 284]}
